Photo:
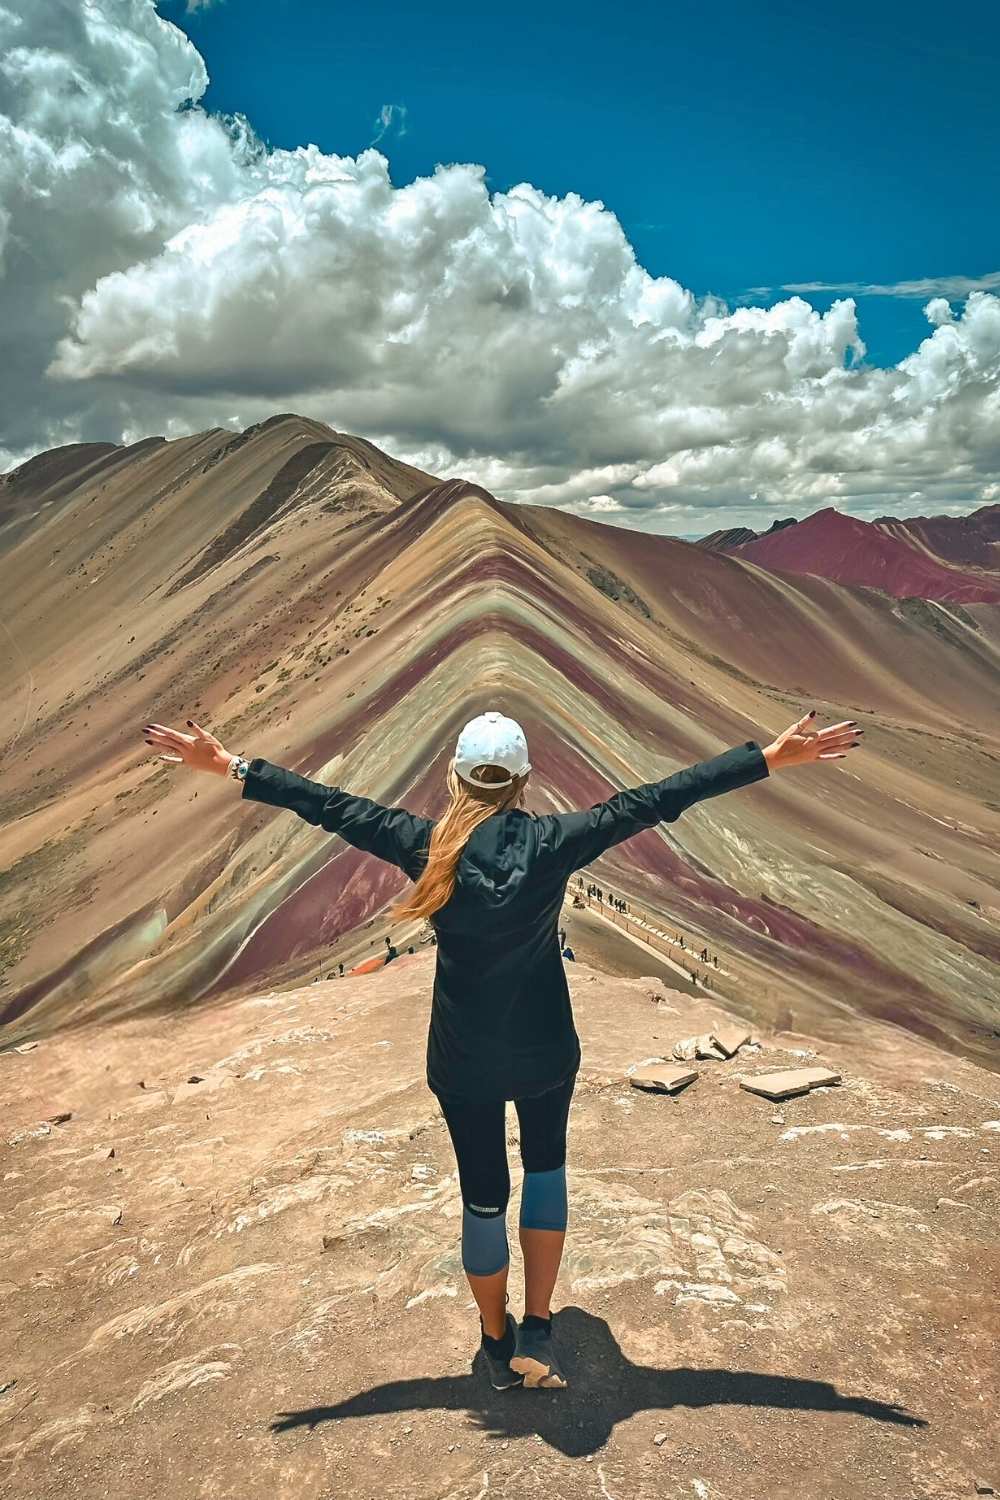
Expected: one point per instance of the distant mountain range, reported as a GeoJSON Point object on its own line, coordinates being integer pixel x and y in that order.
{"type": "Point", "coordinates": [952, 559]}
{"type": "Point", "coordinates": [315, 602]}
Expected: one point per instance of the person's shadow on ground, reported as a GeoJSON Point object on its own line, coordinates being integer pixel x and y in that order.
{"type": "Point", "coordinates": [604, 1388]}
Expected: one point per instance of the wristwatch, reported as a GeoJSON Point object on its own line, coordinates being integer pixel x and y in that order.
{"type": "Point", "coordinates": [238, 767]}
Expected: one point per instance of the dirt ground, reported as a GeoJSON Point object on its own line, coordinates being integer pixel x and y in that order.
{"type": "Point", "coordinates": [250, 1284]}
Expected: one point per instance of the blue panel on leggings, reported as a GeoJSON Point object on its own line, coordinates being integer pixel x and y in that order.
{"type": "Point", "coordinates": [484, 1243]}
{"type": "Point", "coordinates": [543, 1199]}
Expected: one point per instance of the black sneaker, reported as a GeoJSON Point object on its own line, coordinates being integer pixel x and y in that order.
{"type": "Point", "coordinates": [534, 1355]}
{"type": "Point", "coordinates": [502, 1377]}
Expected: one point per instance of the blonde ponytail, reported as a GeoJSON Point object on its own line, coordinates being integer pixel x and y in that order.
{"type": "Point", "coordinates": [469, 806]}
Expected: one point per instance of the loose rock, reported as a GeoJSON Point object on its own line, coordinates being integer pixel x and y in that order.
{"type": "Point", "coordinates": [789, 1081]}
{"type": "Point", "coordinates": [698, 1046]}
{"type": "Point", "coordinates": [730, 1038]}
{"type": "Point", "coordinates": [218, 1078]}
{"type": "Point", "coordinates": [662, 1078]}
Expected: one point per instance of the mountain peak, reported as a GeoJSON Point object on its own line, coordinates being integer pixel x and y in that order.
{"type": "Point", "coordinates": [898, 560]}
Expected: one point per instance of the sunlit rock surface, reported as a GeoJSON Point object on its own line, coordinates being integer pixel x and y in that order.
{"type": "Point", "coordinates": [235, 1269]}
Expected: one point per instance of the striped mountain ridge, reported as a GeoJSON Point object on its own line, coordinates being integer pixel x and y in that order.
{"type": "Point", "coordinates": [951, 559]}
{"type": "Point", "coordinates": [317, 603]}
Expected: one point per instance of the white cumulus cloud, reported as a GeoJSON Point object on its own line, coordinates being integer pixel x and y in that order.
{"type": "Point", "coordinates": [163, 271]}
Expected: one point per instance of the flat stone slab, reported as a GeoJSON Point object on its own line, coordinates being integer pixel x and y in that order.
{"type": "Point", "coordinates": [789, 1081]}
{"type": "Point", "coordinates": [662, 1078]}
{"type": "Point", "coordinates": [730, 1037]}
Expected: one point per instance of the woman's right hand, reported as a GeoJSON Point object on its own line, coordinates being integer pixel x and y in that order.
{"type": "Point", "coordinates": [200, 750]}
{"type": "Point", "coordinates": [802, 743]}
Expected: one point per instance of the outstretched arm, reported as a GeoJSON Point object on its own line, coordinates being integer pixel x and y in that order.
{"type": "Point", "coordinates": [576, 838]}
{"type": "Point", "coordinates": [390, 833]}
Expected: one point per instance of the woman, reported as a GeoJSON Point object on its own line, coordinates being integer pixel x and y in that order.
{"type": "Point", "coordinates": [491, 878]}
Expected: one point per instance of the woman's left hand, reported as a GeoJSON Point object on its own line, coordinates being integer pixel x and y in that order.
{"type": "Point", "coordinates": [200, 750]}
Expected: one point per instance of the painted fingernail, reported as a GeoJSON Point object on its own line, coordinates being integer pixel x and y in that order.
{"type": "Point", "coordinates": [190, 721]}
{"type": "Point", "coordinates": [812, 713]}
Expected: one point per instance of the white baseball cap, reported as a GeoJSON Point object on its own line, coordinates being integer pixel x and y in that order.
{"type": "Point", "coordinates": [491, 740]}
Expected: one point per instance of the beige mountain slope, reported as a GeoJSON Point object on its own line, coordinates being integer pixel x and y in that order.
{"type": "Point", "coordinates": [317, 603]}
{"type": "Point", "coordinates": [230, 1229]}
{"type": "Point", "coordinates": [234, 1270]}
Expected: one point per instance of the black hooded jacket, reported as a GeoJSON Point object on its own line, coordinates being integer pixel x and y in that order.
{"type": "Point", "coordinates": [501, 1021]}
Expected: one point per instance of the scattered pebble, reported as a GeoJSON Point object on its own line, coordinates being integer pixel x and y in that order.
{"type": "Point", "coordinates": [660, 1439]}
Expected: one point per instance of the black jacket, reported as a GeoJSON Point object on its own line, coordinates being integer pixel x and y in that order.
{"type": "Point", "coordinates": [501, 1021]}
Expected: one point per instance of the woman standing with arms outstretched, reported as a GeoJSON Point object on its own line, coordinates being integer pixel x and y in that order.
{"type": "Point", "coordinates": [491, 878]}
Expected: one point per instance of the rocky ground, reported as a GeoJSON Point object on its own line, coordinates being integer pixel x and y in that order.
{"type": "Point", "coordinates": [234, 1269]}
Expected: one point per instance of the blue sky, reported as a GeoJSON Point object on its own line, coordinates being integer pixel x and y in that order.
{"type": "Point", "coordinates": [740, 146]}
{"type": "Point", "coordinates": [671, 268]}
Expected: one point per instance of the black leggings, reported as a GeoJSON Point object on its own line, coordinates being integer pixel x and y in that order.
{"type": "Point", "coordinates": [479, 1135]}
